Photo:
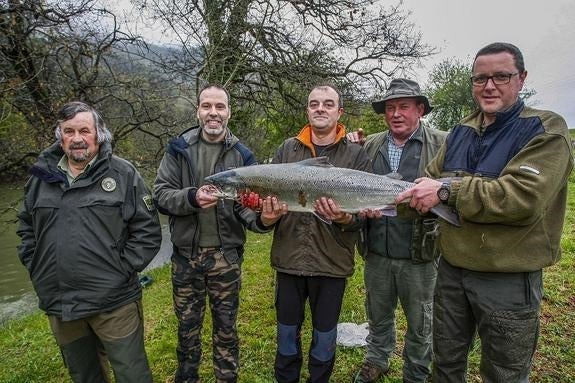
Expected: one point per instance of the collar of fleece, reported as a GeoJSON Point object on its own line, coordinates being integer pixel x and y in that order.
{"type": "Point", "coordinates": [304, 136]}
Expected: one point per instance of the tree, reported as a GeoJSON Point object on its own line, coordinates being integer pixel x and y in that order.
{"type": "Point", "coordinates": [269, 53]}
{"type": "Point", "coordinates": [449, 92]}
{"type": "Point", "coordinates": [52, 52]}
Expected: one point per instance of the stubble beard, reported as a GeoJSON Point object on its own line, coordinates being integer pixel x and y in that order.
{"type": "Point", "coordinates": [214, 132]}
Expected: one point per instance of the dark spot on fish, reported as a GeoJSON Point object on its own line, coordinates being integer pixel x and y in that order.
{"type": "Point", "coordinates": [301, 198]}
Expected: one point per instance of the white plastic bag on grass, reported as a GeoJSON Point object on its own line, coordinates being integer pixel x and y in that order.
{"type": "Point", "coordinates": [352, 334]}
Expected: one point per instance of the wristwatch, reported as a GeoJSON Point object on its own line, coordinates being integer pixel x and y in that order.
{"type": "Point", "coordinates": [444, 192]}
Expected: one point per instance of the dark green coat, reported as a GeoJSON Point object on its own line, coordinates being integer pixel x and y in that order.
{"type": "Point", "coordinates": [401, 237]}
{"type": "Point", "coordinates": [84, 243]}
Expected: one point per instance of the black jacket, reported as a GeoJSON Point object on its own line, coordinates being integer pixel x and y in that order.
{"type": "Point", "coordinates": [174, 195]}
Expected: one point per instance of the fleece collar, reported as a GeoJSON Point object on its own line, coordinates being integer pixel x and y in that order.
{"type": "Point", "coordinates": [304, 136]}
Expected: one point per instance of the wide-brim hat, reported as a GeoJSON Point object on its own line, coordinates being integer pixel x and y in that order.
{"type": "Point", "coordinates": [401, 88]}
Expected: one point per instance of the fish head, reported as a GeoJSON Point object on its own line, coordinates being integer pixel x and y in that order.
{"type": "Point", "coordinates": [227, 183]}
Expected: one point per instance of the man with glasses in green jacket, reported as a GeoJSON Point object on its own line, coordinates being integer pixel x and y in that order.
{"type": "Point", "coordinates": [510, 166]}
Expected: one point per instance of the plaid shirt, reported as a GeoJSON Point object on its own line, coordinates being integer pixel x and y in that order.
{"type": "Point", "coordinates": [394, 151]}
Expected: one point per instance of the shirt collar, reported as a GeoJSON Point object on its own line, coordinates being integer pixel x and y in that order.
{"type": "Point", "coordinates": [417, 134]}
{"type": "Point", "coordinates": [63, 166]}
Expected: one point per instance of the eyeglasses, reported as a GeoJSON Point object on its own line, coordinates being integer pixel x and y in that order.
{"type": "Point", "coordinates": [498, 79]}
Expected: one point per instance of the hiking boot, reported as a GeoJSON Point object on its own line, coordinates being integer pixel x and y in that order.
{"type": "Point", "coordinates": [369, 373]}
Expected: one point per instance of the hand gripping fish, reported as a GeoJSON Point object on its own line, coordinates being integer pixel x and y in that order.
{"type": "Point", "coordinates": [299, 184]}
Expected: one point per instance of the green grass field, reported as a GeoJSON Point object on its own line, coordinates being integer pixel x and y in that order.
{"type": "Point", "coordinates": [29, 353]}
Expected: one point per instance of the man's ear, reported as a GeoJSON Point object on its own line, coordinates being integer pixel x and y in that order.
{"type": "Point", "coordinates": [522, 77]}
{"type": "Point", "coordinates": [420, 109]}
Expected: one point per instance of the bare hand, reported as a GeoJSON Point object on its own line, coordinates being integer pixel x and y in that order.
{"type": "Point", "coordinates": [272, 210]}
{"type": "Point", "coordinates": [329, 209]}
{"type": "Point", "coordinates": [205, 196]}
{"type": "Point", "coordinates": [357, 136]}
{"type": "Point", "coordinates": [423, 195]}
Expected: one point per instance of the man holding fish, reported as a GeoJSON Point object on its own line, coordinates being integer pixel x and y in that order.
{"type": "Point", "coordinates": [512, 164]}
{"type": "Point", "coordinates": [207, 236]}
{"type": "Point", "coordinates": [313, 258]}
{"type": "Point", "coordinates": [399, 251]}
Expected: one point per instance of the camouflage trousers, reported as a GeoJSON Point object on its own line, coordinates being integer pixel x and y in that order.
{"type": "Point", "coordinates": [207, 273]}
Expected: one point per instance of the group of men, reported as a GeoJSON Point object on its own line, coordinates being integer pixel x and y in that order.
{"type": "Point", "coordinates": [89, 225]}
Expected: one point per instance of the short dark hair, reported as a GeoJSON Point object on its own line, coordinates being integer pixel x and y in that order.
{"type": "Point", "coordinates": [213, 85]}
{"type": "Point", "coordinates": [494, 48]}
{"type": "Point", "coordinates": [71, 109]}
{"type": "Point", "coordinates": [329, 85]}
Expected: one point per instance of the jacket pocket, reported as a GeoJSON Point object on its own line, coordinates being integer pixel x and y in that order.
{"type": "Point", "coordinates": [428, 251]}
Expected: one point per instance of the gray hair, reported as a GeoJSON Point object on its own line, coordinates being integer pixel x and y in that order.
{"type": "Point", "coordinates": [71, 109]}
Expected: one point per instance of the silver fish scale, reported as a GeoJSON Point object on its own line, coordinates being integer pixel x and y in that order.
{"type": "Point", "coordinates": [300, 185]}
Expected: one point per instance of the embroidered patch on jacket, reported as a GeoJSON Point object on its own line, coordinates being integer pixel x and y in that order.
{"type": "Point", "coordinates": [529, 169]}
{"type": "Point", "coordinates": [109, 184]}
{"type": "Point", "coordinates": [148, 202]}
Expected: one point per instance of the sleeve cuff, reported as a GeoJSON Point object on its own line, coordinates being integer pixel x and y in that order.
{"type": "Point", "coordinates": [455, 186]}
{"type": "Point", "coordinates": [192, 197]}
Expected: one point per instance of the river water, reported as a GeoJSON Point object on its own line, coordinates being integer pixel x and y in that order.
{"type": "Point", "coordinates": [16, 292]}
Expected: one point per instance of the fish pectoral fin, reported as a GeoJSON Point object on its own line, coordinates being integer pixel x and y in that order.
{"type": "Point", "coordinates": [322, 218]}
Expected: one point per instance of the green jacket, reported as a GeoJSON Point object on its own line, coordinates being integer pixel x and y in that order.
{"type": "Point", "coordinates": [511, 222]}
{"type": "Point", "coordinates": [403, 237]}
{"type": "Point", "coordinates": [83, 244]}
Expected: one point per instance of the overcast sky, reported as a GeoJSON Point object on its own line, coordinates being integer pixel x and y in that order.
{"type": "Point", "coordinates": [544, 30]}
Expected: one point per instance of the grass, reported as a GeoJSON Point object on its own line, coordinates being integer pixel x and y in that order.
{"type": "Point", "coordinates": [29, 353]}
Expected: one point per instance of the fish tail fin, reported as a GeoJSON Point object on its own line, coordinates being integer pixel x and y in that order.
{"type": "Point", "coordinates": [447, 213]}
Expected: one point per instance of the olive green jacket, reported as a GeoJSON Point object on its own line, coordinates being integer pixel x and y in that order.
{"type": "Point", "coordinates": [302, 244]}
{"type": "Point", "coordinates": [511, 223]}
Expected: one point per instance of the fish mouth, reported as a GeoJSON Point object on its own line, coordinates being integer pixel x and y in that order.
{"type": "Point", "coordinates": [224, 193]}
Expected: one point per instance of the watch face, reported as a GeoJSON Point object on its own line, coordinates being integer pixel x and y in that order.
{"type": "Point", "coordinates": [443, 193]}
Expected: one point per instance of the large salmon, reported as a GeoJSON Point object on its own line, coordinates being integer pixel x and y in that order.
{"type": "Point", "coordinates": [299, 184]}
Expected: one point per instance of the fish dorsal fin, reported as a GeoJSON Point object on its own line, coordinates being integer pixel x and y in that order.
{"type": "Point", "coordinates": [317, 161]}
{"type": "Point", "coordinates": [394, 175]}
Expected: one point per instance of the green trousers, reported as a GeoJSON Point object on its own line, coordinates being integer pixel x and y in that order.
{"type": "Point", "coordinates": [117, 337]}
{"type": "Point", "coordinates": [387, 282]}
{"type": "Point", "coordinates": [503, 308]}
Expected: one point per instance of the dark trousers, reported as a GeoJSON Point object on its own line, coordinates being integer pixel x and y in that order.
{"type": "Point", "coordinates": [207, 274]}
{"type": "Point", "coordinates": [117, 336]}
{"type": "Point", "coordinates": [504, 310]}
{"type": "Point", "coordinates": [325, 296]}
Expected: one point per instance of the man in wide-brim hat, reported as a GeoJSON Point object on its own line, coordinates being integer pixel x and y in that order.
{"type": "Point", "coordinates": [402, 88]}
{"type": "Point", "coordinates": [398, 262]}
